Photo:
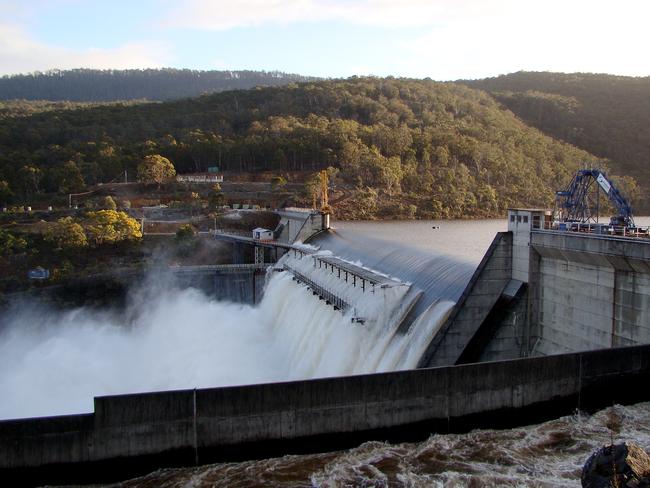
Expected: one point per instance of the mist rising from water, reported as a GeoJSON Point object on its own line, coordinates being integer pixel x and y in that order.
{"type": "Point", "coordinates": [54, 363]}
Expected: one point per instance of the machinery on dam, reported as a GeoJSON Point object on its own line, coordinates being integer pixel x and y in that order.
{"type": "Point", "coordinates": [580, 202]}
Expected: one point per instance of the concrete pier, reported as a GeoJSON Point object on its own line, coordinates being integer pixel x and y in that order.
{"type": "Point", "coordinates": [472, 309]}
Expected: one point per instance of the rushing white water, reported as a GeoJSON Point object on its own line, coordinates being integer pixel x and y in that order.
{"type": "Point", "coordinates": [349, 347]}
{"type": "Point", "coordinates": [55, 363]}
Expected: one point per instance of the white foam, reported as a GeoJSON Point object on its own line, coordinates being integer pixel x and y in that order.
{"type": "Point", "coordinates": [55, 363]}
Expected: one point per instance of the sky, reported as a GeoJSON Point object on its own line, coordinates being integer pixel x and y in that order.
{"type": "Point", "coordinates": [438, 39]}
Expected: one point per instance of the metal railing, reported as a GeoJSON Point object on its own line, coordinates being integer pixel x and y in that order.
{"type": "Point", "coordinates": [595, 228]}
{"type": "Point", "coordinates": [330, 297]}
{"type": "Point", "coordinates": [238, 233]}
{"type": "Point", "coordinates": [227, 268]}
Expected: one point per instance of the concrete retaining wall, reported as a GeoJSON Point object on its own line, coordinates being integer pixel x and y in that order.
{"type": "Point", "coordinates": [135, 433]}
{"type": "Point", "coordinates": [483, 290]}
{"type": "Point", "coordinates": [510, 338]}
{"type": "Point", "coordinates": [584, 292]}
{"type": "Point", "coordinates": [591, 292]}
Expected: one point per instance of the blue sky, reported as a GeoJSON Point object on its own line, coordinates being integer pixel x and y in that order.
{"type": "Point", "coordinates": [440, 39]}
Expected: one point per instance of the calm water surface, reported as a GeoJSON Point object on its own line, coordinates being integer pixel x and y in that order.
{"type": "Point", "coordinates": [465, 240]}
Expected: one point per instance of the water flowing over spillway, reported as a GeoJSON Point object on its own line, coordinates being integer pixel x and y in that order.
{"type": "Point", "coordinates": [439, 277]}
{"type": "Point", "coordinates": [378, 343]}
{"type": "Point", "coordinates": [54, 363]}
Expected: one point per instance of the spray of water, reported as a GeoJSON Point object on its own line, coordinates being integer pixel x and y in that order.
{"type": "Point", "coordinates": [54, 363]}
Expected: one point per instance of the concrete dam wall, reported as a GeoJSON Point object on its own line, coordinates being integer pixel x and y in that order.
{"type": "Point", "coordinates": [589, 292]}
{"type": "Point", "coordinates": [132, 434]}
{"type": "Point", "coordinates": [535, 294]}
{"type": "Point", "coordinates": [540, 292]}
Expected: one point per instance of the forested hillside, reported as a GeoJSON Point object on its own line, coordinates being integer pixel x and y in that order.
{"type": "Point", "coordinates": [89, 85]}
{"type": "Point", "coordinates": [404, 148]}
{"type": "Point", "coordinates": [609, 116]}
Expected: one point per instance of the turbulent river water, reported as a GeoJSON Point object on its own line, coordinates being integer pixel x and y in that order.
{"type": "Point", "coordinates": [550, 454]}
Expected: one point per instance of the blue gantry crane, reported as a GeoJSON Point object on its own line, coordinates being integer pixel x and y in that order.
{"type": "Point", "coordinates": [580, 201]}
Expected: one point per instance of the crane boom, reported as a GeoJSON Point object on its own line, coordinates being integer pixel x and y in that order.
{"type": "Point", "coordinates": [579, 202]}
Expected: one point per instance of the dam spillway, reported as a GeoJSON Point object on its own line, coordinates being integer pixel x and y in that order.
{"type": "Point", "coordinates": [213, 423]}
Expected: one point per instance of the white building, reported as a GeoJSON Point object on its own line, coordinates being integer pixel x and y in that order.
{"type": "Point", "coordinates": [521, 221]}
{"type": "Point", "coordinates": [260, 234]}
{"type": "Point", "coordinates": [200, 178]}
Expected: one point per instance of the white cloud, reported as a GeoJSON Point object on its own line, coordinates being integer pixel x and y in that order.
{"type": "Point", "coordinates": [20, 53]}
{"type": "Point", "coordinates": [467, 38]}
{"type": "Point", "coordinates": [555, 36]}
{"type": "Point", "coordinates": [228, 14]}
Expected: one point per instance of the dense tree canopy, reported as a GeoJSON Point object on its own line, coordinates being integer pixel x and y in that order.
{"type": "Point", "coordinates": [403, 147]}
{"type": "Point", "coordinates": [109, 226]}
{"type": "Point", "coordinates": [607, 115]}
{"type": "Point", "coordinates": [66, 234]}
{"type": "Point", "coordinates": [155, 169]}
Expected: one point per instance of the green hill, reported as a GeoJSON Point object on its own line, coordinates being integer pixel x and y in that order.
{"type": "Point", "coordinates": [609, 116]}
{"type": "Point", "coordinates": [404, 148]}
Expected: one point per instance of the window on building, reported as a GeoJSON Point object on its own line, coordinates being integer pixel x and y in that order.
{"type": "Point", "coordinates": [518, 218]}
{"type": "Point", "coordinates": [525, 219]}
{"type": "Point", "coordinates": [512, 218]}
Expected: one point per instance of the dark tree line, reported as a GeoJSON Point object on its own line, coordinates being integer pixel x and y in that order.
{"type": "Point", "coordinates": [151, 84]}
{"type": "Point", "coordinates": [405, 147]}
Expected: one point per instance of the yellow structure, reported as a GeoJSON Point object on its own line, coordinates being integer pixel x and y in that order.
{"type": "Point", "coordinates": [324, 199]}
